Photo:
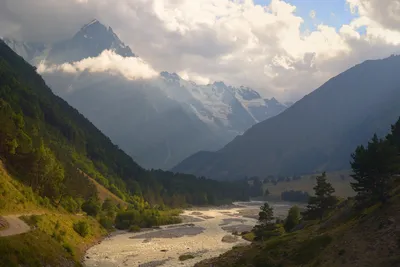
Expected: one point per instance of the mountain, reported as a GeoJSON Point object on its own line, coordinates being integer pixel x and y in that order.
{"type": "Point", "coordinates": [220, 105]}
{"type": "Point", "coordinates": [92, 39]}
{"type": "Point", "coordinates": [69, 183]}
{"type": "Point", "coordinates": [317, 133]}
{"type": "Point", "coordinates": [44, 141]}
{"type": "Point", "coordinates": [158, 121]}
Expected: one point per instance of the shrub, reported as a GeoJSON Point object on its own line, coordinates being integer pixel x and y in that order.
{"type": "Point", "coordinates": [82, 228]}
{"type": "Point", "coordinates": [106, 222]}
{"type": "Point", "coordinates": [292, 219]}
{"type": "Point", "coordinates": [70, 205]}
{"type": "Point", "coordinates": [91, 207]}
{"type": "Point", "coordinates": [134, 229]}
{"type": "Point", "coordinates": [69, 249]}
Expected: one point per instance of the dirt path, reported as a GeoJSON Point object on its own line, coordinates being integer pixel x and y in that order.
{"type": "Point", "coordinates": [16, 226]}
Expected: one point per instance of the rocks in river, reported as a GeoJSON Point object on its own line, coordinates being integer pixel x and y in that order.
{"type": "Point", "coordinates": [230, 239]}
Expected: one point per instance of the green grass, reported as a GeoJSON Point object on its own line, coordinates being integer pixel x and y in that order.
{"type": "Point", "coordinates": [14, 196]}
{"type": "Point", "coordinates": [61, 228]}
{"type": "Point", "coordinates": [249, 236]}
{"type": "Point", "coordinates": [310, 249]}
{"type": "Point", "coordinates": [32, 249]}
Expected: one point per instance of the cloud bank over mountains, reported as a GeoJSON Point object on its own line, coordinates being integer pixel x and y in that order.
{"type": "Point", "coordinates": [132, 68]}
{"type": "Point", "coordinates": [238, 42]}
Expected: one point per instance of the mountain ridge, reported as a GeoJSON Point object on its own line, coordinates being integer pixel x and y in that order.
{"type": "Point", "coordinates": [318, 132]}
{"type": "Point", "coordinates": [212, 115]}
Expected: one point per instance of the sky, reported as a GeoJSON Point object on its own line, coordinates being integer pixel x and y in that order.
{"type": "Point", "coordinates": [282, 48]}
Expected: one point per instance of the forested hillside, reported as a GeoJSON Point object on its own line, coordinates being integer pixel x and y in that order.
{"type": "Point", "coordinates": [45, 141]}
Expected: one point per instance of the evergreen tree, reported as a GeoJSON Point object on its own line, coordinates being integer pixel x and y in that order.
{"type": "Point", "coordinates": [292, 219]}
{"type": "Point", "coordinates": [266, 214]}
{"type": "Point", "coordinates": [323, 200]}
{"type": "Point", "coordinates": [374, 167]}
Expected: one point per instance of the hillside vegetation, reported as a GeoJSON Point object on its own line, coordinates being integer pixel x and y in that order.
{"type": "Point", "coordinates": [358, 231]}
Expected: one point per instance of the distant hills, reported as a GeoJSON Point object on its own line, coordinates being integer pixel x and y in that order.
{"type": "Point", "coordinates": [319, 132]}
{"type": "Point", "coordinates": [158, 121]}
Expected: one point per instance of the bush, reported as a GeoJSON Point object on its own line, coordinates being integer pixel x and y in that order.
{"type": "Point", "coordinates": [106, 222]}
{"type": "Point", "coordinates": [292, 219]}
{"type": "Point", "coordinates": [70, 205]}
{"type": "Point", "coordinates": [134, 229]}
{"type": "Point", "coordinates": [69, 249]}
{"type": "Point", "coordinates": [31, 220]}
{"type": "Point", "coordinates": [82, 228]}
{"type": "Point", "coordinates": [91, 207]}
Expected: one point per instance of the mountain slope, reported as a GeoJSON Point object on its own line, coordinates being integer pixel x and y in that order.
{"type": "Point", "coordinates": [39, 128]}
{"type": "Point", "coordinates": [158, 121]}
{"type": "Point", "coordinates": [317, 133]}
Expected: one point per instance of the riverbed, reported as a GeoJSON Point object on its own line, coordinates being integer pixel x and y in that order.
{"type": "Point", "coordinates": [204, 233]}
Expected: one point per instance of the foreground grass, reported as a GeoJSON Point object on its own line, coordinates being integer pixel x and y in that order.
{"type": "Point", "coordinates": [14, 196]}
{"type": "Point", "coordinates": [60, 228]}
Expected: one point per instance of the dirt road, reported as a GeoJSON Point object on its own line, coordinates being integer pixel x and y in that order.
{"type": "Point", "coordinates": [16, 226]}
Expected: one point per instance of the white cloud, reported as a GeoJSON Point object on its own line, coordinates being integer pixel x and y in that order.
{"type": "Point", "coordinates": [210, 40]}
{"type": "Point", "coordinates": [131, 68]}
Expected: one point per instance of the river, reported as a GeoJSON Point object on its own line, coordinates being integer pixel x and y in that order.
{"type": "Point", "coordinates": [200, 235]}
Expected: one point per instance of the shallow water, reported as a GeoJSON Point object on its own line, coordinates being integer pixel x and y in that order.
{"type": "Point", "coordinates": [200, 235]}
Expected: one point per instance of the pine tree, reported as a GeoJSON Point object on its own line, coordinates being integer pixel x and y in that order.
{"type": "Point", "coordinates": [266, 214]}
{"type": "Point", "coordinates": [374, 167]}
{"type": "Point", "coordinates": [323, 201]}
{"type": "Point", "coordinates": [267, 227]}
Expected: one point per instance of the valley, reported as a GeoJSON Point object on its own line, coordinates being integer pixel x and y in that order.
{"type": "Point", "coordinates": [209, 133]}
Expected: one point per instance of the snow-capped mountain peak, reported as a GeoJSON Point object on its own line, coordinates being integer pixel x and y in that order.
{"type": "Point", "coordinates": [219, 104]}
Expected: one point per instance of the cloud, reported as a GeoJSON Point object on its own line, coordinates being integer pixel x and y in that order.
{"type": "Point", "coordinates": [211, 40]}
{"type": "Point", "coordinates": [132, 68]}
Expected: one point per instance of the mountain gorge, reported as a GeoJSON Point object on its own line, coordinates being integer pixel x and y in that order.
{"type": "Point", "coordinates": [160, 120]}
{"type": "Point", "coordinates": [319, 132]}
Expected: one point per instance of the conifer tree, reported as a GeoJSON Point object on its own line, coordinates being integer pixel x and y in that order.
{"type": "Point", "coordinates": [374, 167]}
{"type": "Point", "coordinates": [323, 201]}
